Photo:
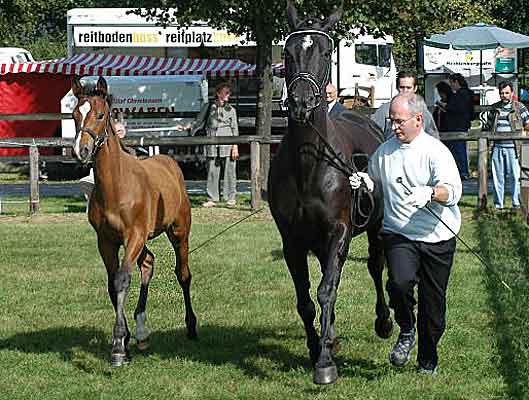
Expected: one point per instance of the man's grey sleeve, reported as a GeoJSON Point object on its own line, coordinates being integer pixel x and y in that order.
{"type": "Point", "coordinates": [429, 124]}
{"type": "Point", "coordinates": [201, 119]}
{"type": "Point", "coordinates": [380, 115]}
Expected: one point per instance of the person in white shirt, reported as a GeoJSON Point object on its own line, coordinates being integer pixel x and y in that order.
{"type": "Point", "coordinates": [418, 175]}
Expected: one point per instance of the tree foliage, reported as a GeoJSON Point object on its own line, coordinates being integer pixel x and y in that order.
{"type": "Point", "coordinates": [40, 26]}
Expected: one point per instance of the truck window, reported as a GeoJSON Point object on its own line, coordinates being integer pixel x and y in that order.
{"type": "Point", "coordinates": [366, 54]}
{"type": "Point", "coordinates": [384, 55]}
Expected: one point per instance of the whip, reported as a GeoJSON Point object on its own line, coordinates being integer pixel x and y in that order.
{"type": "Point", "coordinates": [427, 206]}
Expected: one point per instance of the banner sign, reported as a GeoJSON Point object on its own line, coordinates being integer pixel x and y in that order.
{"type": "Point", "coordinates": [465, 62]}
{"type": "Point", "coordinates": [107, 36]}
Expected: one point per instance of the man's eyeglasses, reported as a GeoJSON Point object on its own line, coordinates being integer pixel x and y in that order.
{"type": "Point", "coordinates": [397, 123]}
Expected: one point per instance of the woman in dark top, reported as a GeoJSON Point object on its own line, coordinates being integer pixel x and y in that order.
{"type": "Point", "coordinates": [459, 109]}
{"type": "Point", "coordinates": [439, 111]}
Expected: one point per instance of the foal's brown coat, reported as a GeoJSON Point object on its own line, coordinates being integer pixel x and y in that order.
{"type": "Point", "coordinates": [133, 201]}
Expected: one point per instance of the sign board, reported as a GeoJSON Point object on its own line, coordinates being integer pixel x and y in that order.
{"type": "Point", "coordinates": [465, 62]}
{"type": "Point", "coordinates": [153, 36]}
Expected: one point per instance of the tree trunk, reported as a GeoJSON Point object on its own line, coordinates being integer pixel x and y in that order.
{"type": "Point", "coordinates": [263, 112]}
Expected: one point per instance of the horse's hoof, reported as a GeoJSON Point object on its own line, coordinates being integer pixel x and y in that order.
{"type": "Point", "coordinates": [384, 327]}
{"type": "Point", "coordinates": [118, 359]}
{"type": "Point", "coordinates": [142, 344]}
{"type": "Point", "coordinates": [325, 375]}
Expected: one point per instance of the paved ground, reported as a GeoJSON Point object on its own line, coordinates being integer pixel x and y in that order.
{"type": "Point", "coordinates": [193, 187]}
{"type": "Point", "coordinates": [72, 189]}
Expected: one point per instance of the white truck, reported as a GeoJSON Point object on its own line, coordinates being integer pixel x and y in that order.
{"type": "Point", "coordinates": [365, 67]}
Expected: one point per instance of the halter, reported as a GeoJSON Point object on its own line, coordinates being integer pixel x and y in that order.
{"type": "Point", "coordinates": [99, 140]}
{"type": "Point", "coordinates": [317, 86]}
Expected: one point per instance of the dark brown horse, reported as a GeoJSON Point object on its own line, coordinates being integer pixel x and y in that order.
{"type": "Point", "coordinates": [309, 193]}
{"type": "Point", "coordinates": [133, 201]}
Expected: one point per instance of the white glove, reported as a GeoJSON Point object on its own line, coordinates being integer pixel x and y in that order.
{"type": "Point", "coordinates": [420, 196]}
{"type": "Point", "coordinates": [357, 178]}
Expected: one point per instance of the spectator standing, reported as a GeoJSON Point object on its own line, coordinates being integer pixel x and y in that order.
{"type": "Point", "coordinates": [219, 119]}
{"type": "Point", "coordinates": [334, 107]}
{"type": "Point", "coordinates": [459, 110]}
{"type": "Point", "coordinates": [406, 83]}
{"type": "Point", "coordinates": [439, 111]}
{"type": "Point", "coordinates": [508, 116]}
{"type": "Point", "coordinates": [415, 170]}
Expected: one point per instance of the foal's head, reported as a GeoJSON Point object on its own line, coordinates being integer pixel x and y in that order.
{"type": "Point", "coordinates": [308, 52]}
{"type": "Point", "coordinates": [92, 119]}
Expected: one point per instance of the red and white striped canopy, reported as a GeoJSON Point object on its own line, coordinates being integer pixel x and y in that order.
{"type": "Point", "coordinates": [111, 64]}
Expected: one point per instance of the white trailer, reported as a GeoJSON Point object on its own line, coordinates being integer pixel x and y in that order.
{"type": "Point", "coordinates": [147, 94]}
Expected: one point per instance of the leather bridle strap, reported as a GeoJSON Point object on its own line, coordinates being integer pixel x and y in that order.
{"type": "Point", "coordinates": [317, 86]}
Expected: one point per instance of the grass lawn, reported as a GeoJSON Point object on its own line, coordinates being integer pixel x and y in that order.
{"type": "Point", "coordinates": [56, 320]}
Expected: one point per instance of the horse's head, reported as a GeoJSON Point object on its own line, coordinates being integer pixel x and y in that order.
{"type": "Point", "coordinates": [308, 52]}
{"type": "Point", "coordinates": [92, 119]}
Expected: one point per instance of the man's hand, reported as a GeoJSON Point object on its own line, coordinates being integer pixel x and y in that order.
{"type": "Point", "coordinates": [356, 179]}
{"type": "Point", "coordinates": [420, 196]}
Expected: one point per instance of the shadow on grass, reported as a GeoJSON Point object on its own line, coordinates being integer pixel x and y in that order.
{"type": "Point", "coordinates": [510, 328]}
{"type": "Point", "coordinates": [216, 345]}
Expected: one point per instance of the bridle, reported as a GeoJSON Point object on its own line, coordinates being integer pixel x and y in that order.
{"type": "Point", "coordinates": [317, 85]}
{"type": "Point", "coordinates": [99, 139]}
{"type": "Point", "coordinates": [359, 216]}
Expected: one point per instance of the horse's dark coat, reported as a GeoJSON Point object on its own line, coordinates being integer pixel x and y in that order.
{"type": "Point", "coordinates": [310, 198]}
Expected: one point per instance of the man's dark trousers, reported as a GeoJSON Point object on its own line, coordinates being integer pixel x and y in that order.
{"type": "Point", "coordinates": [428, 265]}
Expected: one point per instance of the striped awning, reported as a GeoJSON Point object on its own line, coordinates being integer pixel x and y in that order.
{"type": "Point", "coordinates": [111, 64]}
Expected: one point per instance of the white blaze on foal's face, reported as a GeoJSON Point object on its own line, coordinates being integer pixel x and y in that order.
{"type": "Point", "coordinates": [84, 109]}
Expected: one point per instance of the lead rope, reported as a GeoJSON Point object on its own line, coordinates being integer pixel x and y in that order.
{"type": "Point", "coordinates": [225, 229]}
{"type": "Point", "coordinates": [358, 194]}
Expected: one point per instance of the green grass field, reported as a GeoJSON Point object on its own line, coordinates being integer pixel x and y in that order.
{"type": "Point", "coordinates": [56, 319]}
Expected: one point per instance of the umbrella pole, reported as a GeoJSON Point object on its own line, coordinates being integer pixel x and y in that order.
{"type": "Point", "coordinates": [481, 68]}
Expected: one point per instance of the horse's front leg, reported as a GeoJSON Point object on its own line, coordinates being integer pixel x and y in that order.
{"type": "Point", "coordinates": [296, 258]}
{"type": "Point", "coordinates": [146, 265]}
{"type": "Point", "coordinates": [375, 265]}
{"type": "Point", "coordinates": [121, 334]}
{"type": "Point", "coordinates": [332, 262]}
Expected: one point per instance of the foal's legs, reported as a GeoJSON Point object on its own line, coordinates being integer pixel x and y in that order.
{"type": "Point", "coordinates": [375, 264]}
{"type": "Point", "coordinates": [325, 370]}
{"type": "Point", "coordinates": [146, 265]}
{"type": "Point", "coordinates": [179, 238]}
{"type": "Point", "coordinates": [296, 259]}
{"type": "Point", "coordinates": [121, 335]}
{"type": "Point", "coordinates": [109, 253]}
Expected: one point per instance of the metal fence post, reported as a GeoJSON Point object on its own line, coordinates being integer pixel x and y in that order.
{"type": "Point", "coordinates": [34, 202]}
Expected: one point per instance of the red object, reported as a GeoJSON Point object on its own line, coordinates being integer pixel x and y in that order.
{"type": "Point", "coordinates": [30, 93]}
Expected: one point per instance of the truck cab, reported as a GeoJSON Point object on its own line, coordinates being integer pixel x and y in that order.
{"type": "Point", "coordinates": [364, 68]}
